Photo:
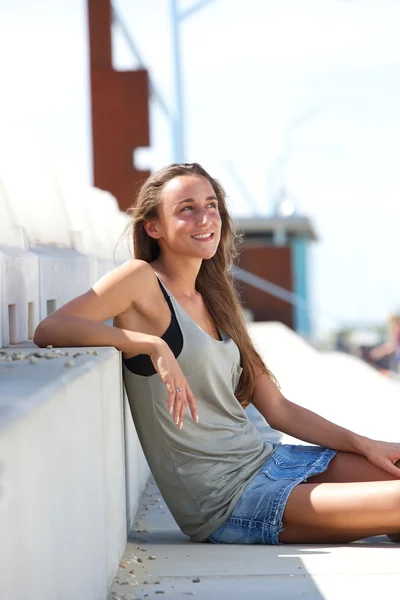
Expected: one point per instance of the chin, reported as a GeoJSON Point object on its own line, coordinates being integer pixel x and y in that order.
{"type": "Point", "coordinates": [208, 255]}
{"type": "Point", "coordinates": [204, 253]}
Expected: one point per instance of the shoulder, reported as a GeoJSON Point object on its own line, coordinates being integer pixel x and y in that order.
{"type": "Point", "coordinates": [135, 267]}
{"type": "Point", "coordinates": [131, 278]}
{"type": "Point", "coordinates": [137, 274]}
{"type": "Point", "coordinates": [142, 282]}
{"type": "Point", "coordinates": [131, 271]}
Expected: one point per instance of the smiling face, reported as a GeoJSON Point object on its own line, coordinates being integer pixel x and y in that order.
{"type": "Point", "coordinates": [188, 222]}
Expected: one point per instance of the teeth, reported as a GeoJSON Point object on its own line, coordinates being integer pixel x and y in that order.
{"type": "Point", "coordinates": [202, 236]}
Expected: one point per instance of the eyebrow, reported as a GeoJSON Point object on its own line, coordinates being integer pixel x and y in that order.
{"type": "Point", "coordinates": [191, 200]}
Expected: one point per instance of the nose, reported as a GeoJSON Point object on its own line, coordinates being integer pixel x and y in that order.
{"type": "Point", "coordinates": [203, 217]}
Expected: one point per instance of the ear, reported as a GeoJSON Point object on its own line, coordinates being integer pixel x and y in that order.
{"type": "Point", "coordinates": [151, 228]}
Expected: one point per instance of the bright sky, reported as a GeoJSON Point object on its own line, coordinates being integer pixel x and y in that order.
{"type": "Point", "coordinates": [251, 67]}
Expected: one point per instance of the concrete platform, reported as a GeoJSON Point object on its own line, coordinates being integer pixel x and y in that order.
{"type": "Point", "coordinates": [159, 561]}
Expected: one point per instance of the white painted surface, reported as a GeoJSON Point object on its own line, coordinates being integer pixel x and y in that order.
{"type": "Point", "coordinates": [71, 466]}
{"type": "Point", "coordinates": [97, 225]}
{"type": "Point", "coordinates": [11, 234]}
{"type": "Point", "coordinates": [54, 242]}
{"type": "Point", "coordinates": [63, 275]}
{"type": "Point", "coordinates": [63, 510]}
{"type": "Point", "coordinates": [137, 469]}
{"type": "Point", "coordinates": [19, 295]}
{"type": "Point", "coordinates": [32, 187]}
{"type": "Point", "coordinates": [19, 277]}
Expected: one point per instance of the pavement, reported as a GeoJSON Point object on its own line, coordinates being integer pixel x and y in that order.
{"type": "Point", "coordinates": [159, 561]}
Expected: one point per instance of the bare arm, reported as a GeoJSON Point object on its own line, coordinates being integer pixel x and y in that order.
{"type": "Point", "coordinates": [80, 321]}
{"type": "Point", "coordinates": [69, 330]}
{"type": "Point", "coordinates": [301, 423]}
{"type": "Point", "coordinates": [382, 350]}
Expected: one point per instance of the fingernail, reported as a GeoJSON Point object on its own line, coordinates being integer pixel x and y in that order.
{"type": "Point", "coordinates": [180, 426]}
{"type": "Point", "coordinates": [197, 419]}
{"type": "Point", "coordinates": [177, 420]}
{"type": "Point", "coordinates": [171, 409]}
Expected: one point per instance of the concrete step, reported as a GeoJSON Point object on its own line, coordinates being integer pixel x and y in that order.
{"type": "Point", "coordinates": [160, 561]}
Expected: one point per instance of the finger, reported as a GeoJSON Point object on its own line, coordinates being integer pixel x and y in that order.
{"type": "Point", "coordinates": [171, 397]}
{"type": "Point", "coordinates": [177, 405]}
{"type": "Point", "coordinates": [192, 404]}
{"type": "Point", "coordinates": [392, 469]}
{"type": "Point", "coordinates": [182, 412]}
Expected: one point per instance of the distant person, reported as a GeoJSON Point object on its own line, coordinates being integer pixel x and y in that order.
{"type": "Point", "coordinates": [391, 348]}
{"type": "Point", "coordinates": [342, 344]}
{"type": "Point", "coordinates": [179, 325]}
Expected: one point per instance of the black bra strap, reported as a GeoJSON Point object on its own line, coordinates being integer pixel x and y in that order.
{"type": "Point", "coordinates": [166, 296]}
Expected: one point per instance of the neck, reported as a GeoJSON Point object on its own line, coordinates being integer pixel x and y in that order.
{"type": "Point", "coordinates": [179, 275]}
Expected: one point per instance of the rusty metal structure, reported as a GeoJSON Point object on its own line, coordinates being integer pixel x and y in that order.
{"type": "Point", "coordinates": [120, 111]}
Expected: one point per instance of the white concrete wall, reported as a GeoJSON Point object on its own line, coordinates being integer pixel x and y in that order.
{"type": "Point", "coordinates": [137, 469]}
{"type": "Point", "coordinates": [55, 242]}
{"type": "Point", "coordinates": [71, 475]}
{"type": "Point", "coordinates": [71, 467]}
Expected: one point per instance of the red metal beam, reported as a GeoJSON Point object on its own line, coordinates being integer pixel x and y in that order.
{"type": "Point", "coordinates": [120, 112]}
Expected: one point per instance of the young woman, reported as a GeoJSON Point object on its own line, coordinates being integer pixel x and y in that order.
{"type": "Point", "coordinates": [178, 323]}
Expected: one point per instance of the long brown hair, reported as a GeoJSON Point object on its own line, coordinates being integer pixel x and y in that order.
{"type": "Point", "coordinates": [214, 281]}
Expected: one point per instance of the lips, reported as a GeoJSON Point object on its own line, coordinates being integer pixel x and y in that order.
{"type": "Point", "coordinates": [210, 235]}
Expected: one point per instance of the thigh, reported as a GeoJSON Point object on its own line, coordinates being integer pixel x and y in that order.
{"type": "Point", "coordinates": [341, 512]}
{"type": "Point", "coordinates": [348, 467]}
{"type": "Point", "coordinates": [257, 517]}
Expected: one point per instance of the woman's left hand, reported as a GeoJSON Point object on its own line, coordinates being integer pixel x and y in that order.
{"type": "Point", "coordinates": [384, 455]}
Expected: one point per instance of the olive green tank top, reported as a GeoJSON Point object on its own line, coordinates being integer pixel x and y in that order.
{"type": "Point", "coordinates": [202, 469]}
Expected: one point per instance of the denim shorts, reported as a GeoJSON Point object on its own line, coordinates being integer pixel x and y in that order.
{"type": "Point", "coordinates": [257, 517]}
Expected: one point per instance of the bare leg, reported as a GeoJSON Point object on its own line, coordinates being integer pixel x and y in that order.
{"type": "Point", "coordinates": [341, 512]}
{"type": "Point", "coordinates": [352, 499]}
{"type": "Point", "coordinates": [348, 467]}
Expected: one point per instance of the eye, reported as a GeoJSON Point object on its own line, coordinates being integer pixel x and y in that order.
{"type": "Point", "coordinates": [213, 204]}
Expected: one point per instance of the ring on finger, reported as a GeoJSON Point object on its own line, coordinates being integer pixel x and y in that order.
{"type": "Point", "coordinates": [178, 390]}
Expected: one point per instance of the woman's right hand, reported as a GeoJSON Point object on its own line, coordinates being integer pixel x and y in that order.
{"type": "Point", "coordinates": [170, 372]}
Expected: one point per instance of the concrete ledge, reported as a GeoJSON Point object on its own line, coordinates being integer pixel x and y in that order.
{"type": "Point", "coordinates": [26, 385]}
{"type": "Point", "coordinates": [67, 494]}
